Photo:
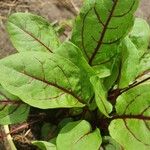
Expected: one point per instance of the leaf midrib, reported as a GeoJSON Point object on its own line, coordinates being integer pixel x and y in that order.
{"type": "Point", "coordinates": [133, 134]}
{"type": "Point", "coordinates": [54, 85]}
{"type": "Point", "coordinates": [137, 117]}
{"type": "Point", "coordinates": [100, 41]}
{"type": "Point", "coordinates": [35, 38]}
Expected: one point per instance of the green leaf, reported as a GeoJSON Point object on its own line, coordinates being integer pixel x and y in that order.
{"type": "Point", "coordinates": [130, 62]}
{"type": "Point", "coordinates": [48, 131]}
{"type": "Point", "coordinates": [131, 128]}
{"type": "Point", "coordinates": [100, 27]}
{"type": "Point", "coordinates": [29, 32]}
{"type": "Point", "coordinates": [140, 35]}
{"type": "Point", "coordinates": [74, 54]}
{"type": "Point", "coordinates": [102, 71]}
{"type": "Point", "coordinates": [115, 68]}
{"type": "Point", "coordinates": [78, 135]}
{"type": "Point", "coordinates": [144, 65]}
{"type": "Point", "coordinates": [45, 80]}
{"type": "Point", "coordinates": [43, 145]}
{"type": "Point", "coordinates": [12, 109]}
{"type": "Point", "coordinates": [53, 140]}
{"type": "Point", "coordinates": [110, 144]}
{"type": "Point", "coordinates": [101, 96]}
{"type": "Point", "coordinates": [63, 122]}
{"type": "Point", "coordinates": [75, 111]}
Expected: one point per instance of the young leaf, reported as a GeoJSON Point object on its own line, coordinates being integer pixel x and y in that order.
{"type": "Point", "coordinates": [48, 131]}
{"type": "Point", "coordinates": [100, 27]}
{"type": "Point", "coordinates": [12, 110]}
{"type": "Point", "coordinates": [131, 128]}
{"type": "Point", "coordinates": [101, 96]}
{"type": "Point", "coordinates": [115, 68]}
{"type": "Point", "coordinates": [29, 32]}
{"type": "Point", "coordinates": [45, 80]}
{"type": "Point", "coordinates": [63, 122]}
{"type": "Point", "coordinates": [74, 54]}
{"type": "Point", "coordinates": [140, 35]}
{"type": "Point", "coordinates": [110, 144]}
{"type": "Point", "coordinates": [78, 135]}
{"type": "Point", "coordinates": [43, 145]}
{"type": "Point", "coordinates": [130, 62]}
{"type": "Point", "coordinates": [53, 140]}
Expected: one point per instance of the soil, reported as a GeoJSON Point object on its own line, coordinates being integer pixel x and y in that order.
{"type": "Point", "coordinates": [54, 11]}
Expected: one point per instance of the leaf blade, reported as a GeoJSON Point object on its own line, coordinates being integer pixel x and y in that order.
{"type": "Point", "coordinates": [140, 35]}
{"type": "Point", "coordinates": [104, 106]}
{"type": "Point", "coordinates": [131, 127]}
{"type": "Point", "coordinates": [144, 65]}
{"type": "Point", "coordinates": [26, 28]}
{"type": "Point", "coordinates": [44, 71]}
{"type": "Point", "coordinates": [12, 110]}
{"type": "Point", "coordinates": [130, 62]}
{"type": "Point", "coordinates": [101, 26]}
{"type": "Point", "coordinates": [43, 145]}
{"type": "Point", "coordinates": [78, 135]}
